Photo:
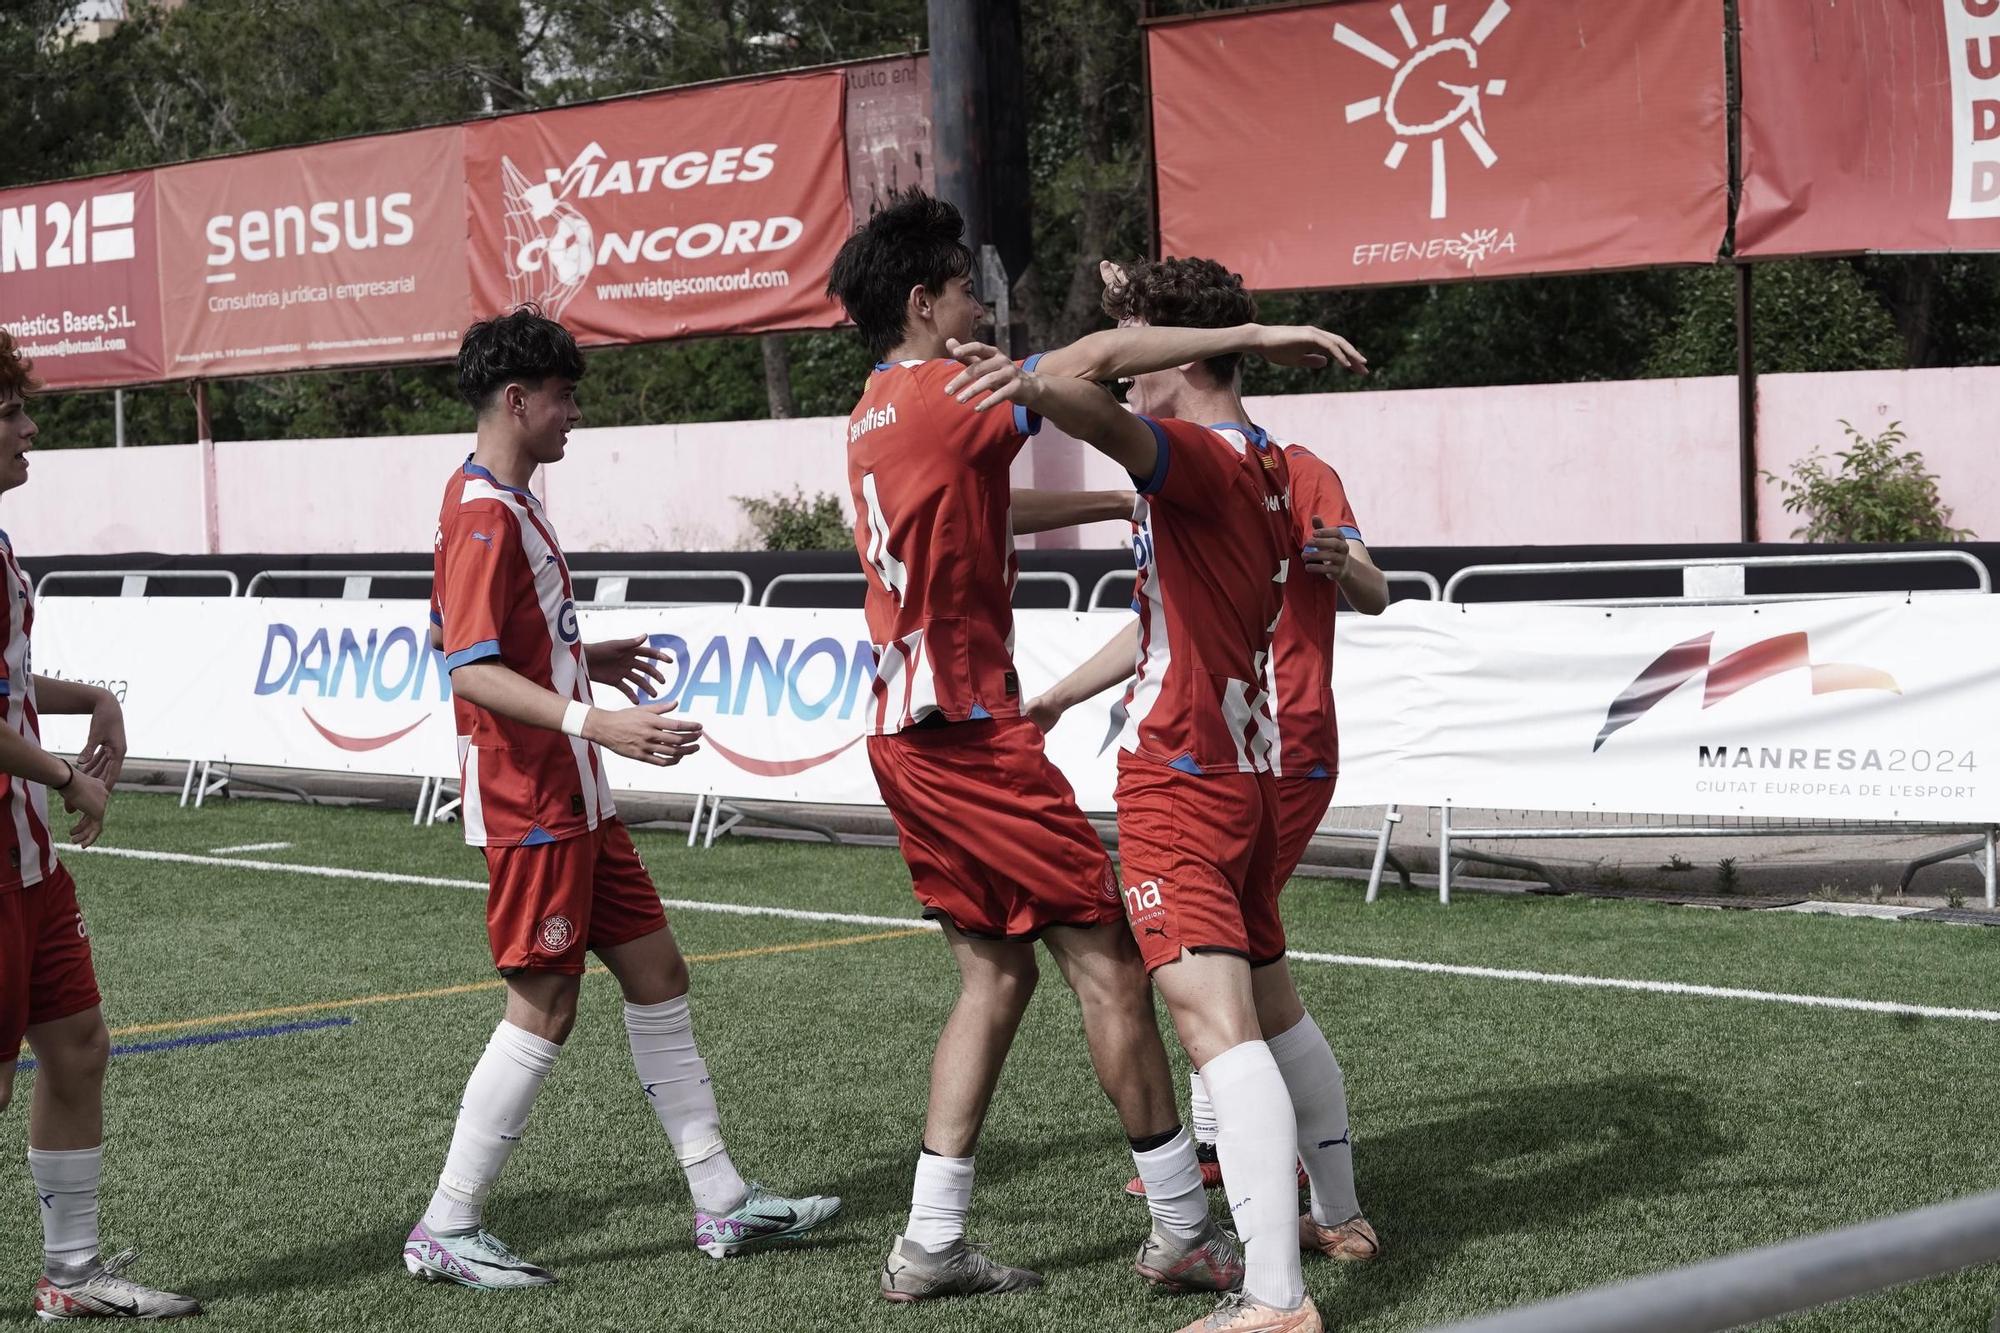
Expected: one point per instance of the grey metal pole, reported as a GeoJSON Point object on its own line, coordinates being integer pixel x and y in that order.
{"type": "Point", "coordinates": [1754, 1285]}
{"type": "Point", "coordinates": [118, 418]}
{"type": "Point", "coordinates": [959, 132]}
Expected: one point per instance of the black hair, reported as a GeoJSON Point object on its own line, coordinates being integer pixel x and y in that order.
{"type": "Point", "coordinates": [915, 241]}
{"type": "Point", "coordinates": [1185, 294]}
{"type": "Point", "coordinates": [523, 346]}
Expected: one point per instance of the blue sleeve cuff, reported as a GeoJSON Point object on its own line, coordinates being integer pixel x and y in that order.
{"type": "Point", "coordinates": [1026, 422]}
{"type": "Point", "coordinates": [6, 689]}
{"type": "Point", "coordinates": [478, 652]}
{"type": "Point", "coordinates": [437, 620]}
{"type": "Point", "coordinates": [1352, 534]}
{"type": "Point", "coordinates": [1151, 485]}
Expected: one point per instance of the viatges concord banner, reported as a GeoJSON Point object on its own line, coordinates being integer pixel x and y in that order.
{"type": "Point", "coordinates": [710, 210]}
{"type": "Point", "coordinates": [340, 254]}
{"type": "Point", "coordinates": [1900, 149]}
{"type": "Point", "coordinates": [1863, 708]}
{"type": "Point", "coordinates": [80, 279]}
{"type": "Point", "coordinates": [1393, 142]}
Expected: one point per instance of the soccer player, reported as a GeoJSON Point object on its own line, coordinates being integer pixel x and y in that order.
{"type": "Point", "coordinates": [998, 852]}
{"type": "Point", "coordinates": [1305, 763]}
{"type": "Point", "coordinates": [48, 988]}
{"type": "Point", "coordinates": [565, 878]}
{"type": "Point", "coordinates": [1197, 806]}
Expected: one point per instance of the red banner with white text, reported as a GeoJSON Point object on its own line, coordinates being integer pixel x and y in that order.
{"type": "Point", "coordinates": [80, 279]}
{"type": "Point", "coordinates": [704, 211]}
{"type": "Point", "coordinates": [1870, 125]}
{"type": "Point", "coordinates": [1377, 142]}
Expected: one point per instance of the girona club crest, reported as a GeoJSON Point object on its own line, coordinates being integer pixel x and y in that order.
{"type": "Point", "coordinates": [557, 933]}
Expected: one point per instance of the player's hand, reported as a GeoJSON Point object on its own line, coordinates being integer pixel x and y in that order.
{"type": "Point", "coordinates": [85, 796]}
{"type": "Point", "coordinates": [627, 665]}
{"type": "Point", "coordinates": [644, 733]}
{"type": "Point", "coordinates": [990, 372]}
{"type": "Point", "coordinates": [1303, 345]}
{"type": "Point", "coordinates": [103, 754]}
{"type": "Point", "coordinates": [1327, 553]}
{"type": "Point", "coordinates": [1044, 712]}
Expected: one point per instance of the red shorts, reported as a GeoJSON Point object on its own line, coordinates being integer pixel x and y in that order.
{"type": "Point", "coordinates": [991, 830]}
{"type": "Point", "coordinates": [1198, 855]}
{"type": "Point", "coordinates": [551, 903]}
{"type": "Point", "coordinates": [1302, 803]}
{"type": "Point", "coordinates": [45, 969]}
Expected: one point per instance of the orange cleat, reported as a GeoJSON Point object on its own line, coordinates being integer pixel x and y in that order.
{"type": "Point", "coordinates": [1349, 1242]}
{"type": "Point", "coordinates": [1239, 1314]}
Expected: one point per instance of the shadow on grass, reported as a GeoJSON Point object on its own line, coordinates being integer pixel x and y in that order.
{"type": "Point", "coordinates": [1515, 1162]}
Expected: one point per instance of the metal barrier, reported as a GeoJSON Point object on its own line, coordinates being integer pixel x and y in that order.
{"type": "Point", "coordinates": [132, 582]}
{"type": "Point", "coordinates": [611, 588]}
{"type": "Point", "coordinates": [1713, 581]}
{"type": "Point", "coordinates": [1410, 577]}
{"type": "Point", "coordinates": [355, 584]}
{"type": "Point", "coordinates": [1755, 1285]}
{"type": "Point", "coordinates": [1056, 576]}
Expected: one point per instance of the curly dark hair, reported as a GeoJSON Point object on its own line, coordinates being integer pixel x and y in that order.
{"type": "Point", "coordinates": [916, 241]}
{"type": "Point", "coordinates": [523, 346]}
{"type": "Point", "coordinates": [16, 370]}
{"type": "Point", "coordinates": [1186, 294]}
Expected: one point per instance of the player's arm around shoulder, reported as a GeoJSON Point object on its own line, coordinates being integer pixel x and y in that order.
{"type": "Point", "coordinates": [1080, 409]}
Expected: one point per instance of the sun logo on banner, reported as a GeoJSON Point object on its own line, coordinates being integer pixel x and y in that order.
{"type": "Point", "coordinates": [1423, 102]}
{"type": "Point", "coordinates": [551, 246]}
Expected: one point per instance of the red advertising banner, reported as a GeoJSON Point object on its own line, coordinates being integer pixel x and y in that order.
{"type": "Point", "coordinates": [80, 279]}
{"type": "Point", "coordinates": [1376, 142]}
{"type": "Point", "coordinates": [1870, 125]}
{"type": "Point", "coordinates": [705, 211]}
{"type": "Point", "coordinates": [344, 253]}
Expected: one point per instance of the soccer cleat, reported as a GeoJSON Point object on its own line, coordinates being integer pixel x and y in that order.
{"type": "Point", "coordinates": [476, 1259]}
{"type": "Point", "coordinates": [102, 1291]}
{"type": "Point", "coordinates": [1211, 1172]}
{"type": "Point", "coordinates": [1210, 1261]}
{"type": "Point", "coordinates": [913, 1273]}
{"type": "Point", "coordinates": [1351, 1242]}
{"type": "Point", "coordinates": [763, 1220]}
{"type": "Point", "coordinates": [1239, 1314]}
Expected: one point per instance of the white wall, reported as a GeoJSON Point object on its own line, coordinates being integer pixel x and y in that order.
{"type": "Point", "coordinates": [1637, 461]}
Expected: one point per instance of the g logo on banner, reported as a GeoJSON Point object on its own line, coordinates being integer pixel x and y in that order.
{"type": "Point", "coordinates": [566, 622]}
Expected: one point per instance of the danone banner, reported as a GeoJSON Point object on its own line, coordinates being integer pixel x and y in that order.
{"type": "Point", "coordinates": [1870, 708]}
{"type": "Point", "coordinates": [1376, 142]}
{"type": "Point", "coordinates": [340, 254]}
{"type": "Point", "coordinates": [703, 211]}
{"type": "Point", "coordinates": [1870, 125]}
{"type": "Point", "coordinates": [80, 279]}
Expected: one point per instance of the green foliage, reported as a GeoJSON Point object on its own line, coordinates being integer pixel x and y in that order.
{"type": "Point", "coordinates": [1879, 492]}
{"type": "Point", "coordinates": [796, 523]}
{"type": "Point", "coordinates": [1807, 314]}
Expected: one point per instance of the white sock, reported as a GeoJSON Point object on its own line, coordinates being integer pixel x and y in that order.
{"type": "Point", "coordinates": [939, 1201]}
{"type": "Point", "coordinates": [1201, 1112]}
{"type": "Point", "coordinates": [66, 1184]}
{"type": "Point", "coordinates": [677, 1085]}
{"type": "Point", "coordinates": [498, 1098]}
{"type": "Point", "coordinates": [1319, 1099]}
{"type": "Point", "coordinates": [1174, 1195]}
{"type": "Point", "coordinates": [1257, 1142]}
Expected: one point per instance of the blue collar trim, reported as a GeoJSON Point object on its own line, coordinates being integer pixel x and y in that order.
{"type": "Point", "coordinates": [473, 469]}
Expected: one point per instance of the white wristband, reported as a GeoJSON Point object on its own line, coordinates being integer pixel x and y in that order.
{"type": "Point", "coordinates": [573, 716]}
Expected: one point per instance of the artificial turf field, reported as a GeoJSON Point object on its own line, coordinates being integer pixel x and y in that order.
{"type": "Point", "coordinates": [1514, 1140]}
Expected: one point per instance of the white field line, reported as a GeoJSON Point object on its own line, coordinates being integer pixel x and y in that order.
{"type": "Point", "coordinates": [250, 847]}
{"type": "Point", "coordinates": [1680, 988]}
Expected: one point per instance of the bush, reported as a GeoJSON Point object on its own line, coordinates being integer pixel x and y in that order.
{"type": "Point", "coordinates": [1879, 493]}
{"type": "Point", "coordinates": [795, 523]}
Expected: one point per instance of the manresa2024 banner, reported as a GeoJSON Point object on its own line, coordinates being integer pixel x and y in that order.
{"type": "Point", "coordinates": [341, 254]}
{"type": "Point", "coordinates": [713, 210]}
{"type": "Point", "coordinates": [80, 279]}
{"type": "Point", "coordinates": [1337, 145]}
{"type": "Point", "coordinates": [1870, 125]}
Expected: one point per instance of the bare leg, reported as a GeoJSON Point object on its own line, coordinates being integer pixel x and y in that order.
{"type": "Point", "coordinates": [66, 1111]}
{"type": "Point", "coordinates": [996, 981]}
{"type": "Point", "coordinates": [1102, 966]}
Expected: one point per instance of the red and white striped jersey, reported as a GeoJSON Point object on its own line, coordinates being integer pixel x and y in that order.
{"type": "Point", "coordinates": [1301, 666]}
{"type": "Point", "coordinates": [501, 592]}
{"type": "Point", "coordinates": [933, 524]}
{"type": "Point", "coordinates": [1215, 545]}
{"type": "Point", "coordinates": [27, 854]}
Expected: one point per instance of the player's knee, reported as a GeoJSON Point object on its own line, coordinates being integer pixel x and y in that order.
{"type": "Point", "coordinates": [79, 1056]}
{"type": "Point", "coordinates": [1008, 988]}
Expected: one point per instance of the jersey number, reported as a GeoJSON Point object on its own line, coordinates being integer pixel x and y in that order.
{"type": "Point", "coordinates": [881, 559]}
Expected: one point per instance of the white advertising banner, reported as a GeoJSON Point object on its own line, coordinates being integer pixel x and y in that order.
{"type": "Point", "coordinates": [1866, 708]}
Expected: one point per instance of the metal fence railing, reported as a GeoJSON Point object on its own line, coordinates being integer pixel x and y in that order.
{"type": "Point", "coordinates": [1755, 1285]}
{"type": "Point", "coordinates": [134, 582]}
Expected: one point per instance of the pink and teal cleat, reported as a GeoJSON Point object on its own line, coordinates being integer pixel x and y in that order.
{"type": "Point", "coordinates": [762, 1221]}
